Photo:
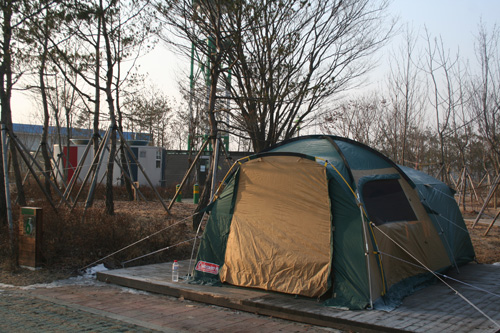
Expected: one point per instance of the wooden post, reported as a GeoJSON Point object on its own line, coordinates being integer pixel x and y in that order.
{"type": "Point", "coordinates": [28, 172]}
{"type": "Point", "coordinates": [90, 196]}
{"type": "Point", "coordinates": [143, 172]}
{"type": "Point", "coordinates": [92, 166]}
{"type": "Point", "coordinates": [76, 174]}
{"type": "Point", "coordinates": [490, 195]}
{"type": "Point", "coordinates": [19, 146]}
{"type": "Point", "coordinates": [135, 189]}
{"type": "Point", "coordinates": [492, 223]}
{"type": "Point", "coordinates": [30, 237]}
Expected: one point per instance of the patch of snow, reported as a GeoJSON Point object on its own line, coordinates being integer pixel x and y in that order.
{"type": "Point", "coordinates": [133, 291]}
{"type": "Point", "coordinates": [92, 271]}
{"type": "Point", "coordinates": [496, 263]}
{"type": "Point", "coordinates": [88, 278]}
{"type": "Point", "coordinates": [2, 285]}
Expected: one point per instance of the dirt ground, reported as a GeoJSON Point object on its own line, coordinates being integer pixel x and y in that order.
{"type": "Point", "coordinates": [149, 216]}
{"type": "Point", "coordinates": [487, 247]}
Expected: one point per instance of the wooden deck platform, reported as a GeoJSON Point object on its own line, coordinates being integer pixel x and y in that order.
{"type": "Point", "coordinates": [436, 308]}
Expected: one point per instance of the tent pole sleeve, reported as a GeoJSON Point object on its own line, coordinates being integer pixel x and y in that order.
{"type": "Point", "coordinates": [367, 250]}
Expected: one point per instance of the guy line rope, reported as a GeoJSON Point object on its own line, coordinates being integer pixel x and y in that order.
{"type": "Point", "coordinates": [439, 276]}
{"type": "Point", "coordinates": [143, 239]}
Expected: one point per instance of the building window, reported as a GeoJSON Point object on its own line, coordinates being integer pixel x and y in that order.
{"type": "Point", "coordinates": [158, 159]}
{"type": "Point", "coordinates": [386, 202]}
{"type": "Point", "coordinates": [142, 154]}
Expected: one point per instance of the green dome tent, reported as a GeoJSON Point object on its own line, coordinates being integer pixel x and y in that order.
{"type": "Point", "coordinates": [324, 216]}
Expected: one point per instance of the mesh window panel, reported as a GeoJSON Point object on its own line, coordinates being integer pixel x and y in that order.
{"type": "Point", "coordinates": [385, 202]}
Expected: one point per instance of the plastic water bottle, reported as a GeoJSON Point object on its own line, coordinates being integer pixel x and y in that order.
{"type": "Point", "coordinates": [175, 271]}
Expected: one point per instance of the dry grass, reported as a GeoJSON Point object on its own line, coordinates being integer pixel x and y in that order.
{"type": "Point", "coordinates": [487, 247]}
{"type": "Point", "coordinates": [73, 240]}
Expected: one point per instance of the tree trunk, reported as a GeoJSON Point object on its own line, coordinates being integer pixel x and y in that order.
{"type": "Point", "coordinates": [97, 86]}
{"type": "Point", "coordinates": [5, 97]}
{"type": "Point", "coordinates": [110, 210]}
{"type": "Point", "coordinates": [45, 104]}
{"type": "Point", "coordinates": [3, 202]}
{"type": "Point", "coordinates": [205, 196]}
{"type": "Point", "coordinates": [123, 157]}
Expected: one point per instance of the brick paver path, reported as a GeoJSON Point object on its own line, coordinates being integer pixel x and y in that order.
{"type": "Point", "coordinates": [98, 307]}
{"type": "Point", "coordinates": [21, 312]}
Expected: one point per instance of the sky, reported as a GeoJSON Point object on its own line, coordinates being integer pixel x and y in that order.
{"type": "Point", "coordinates": [456, 21]}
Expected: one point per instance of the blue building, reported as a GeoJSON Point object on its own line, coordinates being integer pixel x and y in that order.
{"type": "Point", "coordinates": [30, 135]}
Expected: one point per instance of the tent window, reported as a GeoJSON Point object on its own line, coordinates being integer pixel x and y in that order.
{"type": "Point", "coordinates": [385, 202]}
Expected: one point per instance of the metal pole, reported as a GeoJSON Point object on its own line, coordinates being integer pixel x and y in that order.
{"type": "Point", "coordinates": [191, 96]}
{"type": "Point", "coordinates": [188, 172]}
{"type": "Point", "coordinates": [216, 163]}
{"type": "Point", "coordinates": [7, 189]}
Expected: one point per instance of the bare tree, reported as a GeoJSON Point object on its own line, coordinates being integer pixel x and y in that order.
{"type": "Point", "coordinates": [116, 19]}
{"type": "Point", "coordinates": [41, 27]}
{"type": "Point", "coordinates": [100, 36]}
{"type": "Point", "coordinates": [356, 119]}
{"type": "Point", "coordinates": [15, 16]}
{"type": "Point", "coordinates": [485, 89]}
{"type": "Point", "coordinates": [443, 99]}
{"type": "Point", "coordinates": [200, 26]}
{"type": "Point", "coordinates": [149, 111]}
{"type": "Point", "coordinates": [64, 102]}
{"type": "Point", "coordinates": [288, 58]}
{"type": "Point", "coordinates": [406, 99]}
